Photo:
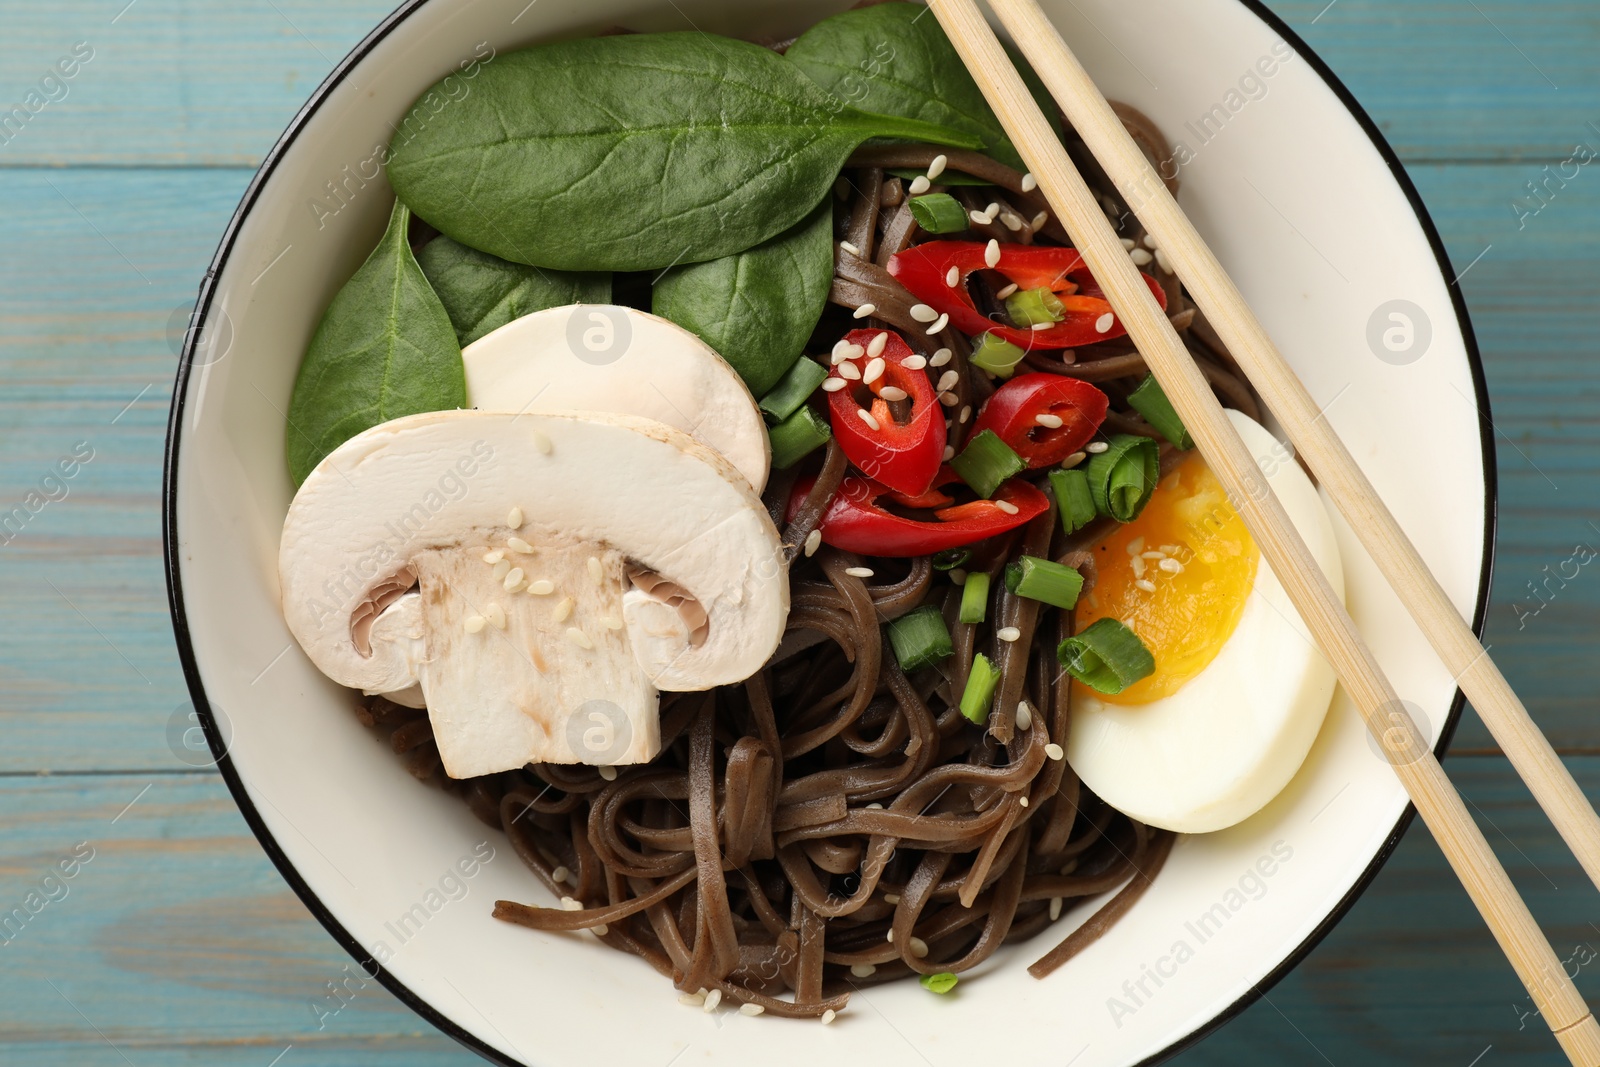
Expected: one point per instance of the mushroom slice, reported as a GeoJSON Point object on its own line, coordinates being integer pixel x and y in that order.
{"type": "Point", "coordinates": [640, 559]}
{"type": "Point", "coordinates": [604, 357]}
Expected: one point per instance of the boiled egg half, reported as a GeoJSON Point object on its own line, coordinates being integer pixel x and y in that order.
{"type": "Point", "coordinates": [1239, 689]}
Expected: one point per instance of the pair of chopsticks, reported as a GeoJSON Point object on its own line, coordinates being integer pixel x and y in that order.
{"type": "Point", "coordinates": [1435, 798]}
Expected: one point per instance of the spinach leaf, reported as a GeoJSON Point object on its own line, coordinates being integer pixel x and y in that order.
{"type": "Point", "coordinates": [481, 293]}
{"type": "Point", "coordinates": [757, 307]}
{"type": "Point", "coordinates": [894, 58]}
{"type": "Point", "coordinates": [635, 152]}
{"type": "Point", "coordinates": [385, 348]}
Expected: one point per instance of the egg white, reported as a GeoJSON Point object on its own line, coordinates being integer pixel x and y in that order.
{"type": "Point", "coordinates": [1219, 749]}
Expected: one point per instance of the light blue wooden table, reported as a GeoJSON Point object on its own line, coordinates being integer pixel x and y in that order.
{"type": "Point", "coordinates": [176, 943]}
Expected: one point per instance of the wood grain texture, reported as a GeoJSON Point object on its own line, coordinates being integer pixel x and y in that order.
{"type": "Point", "coordinates": [181, 942]}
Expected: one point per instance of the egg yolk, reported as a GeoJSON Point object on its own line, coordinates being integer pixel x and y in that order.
{"type": "Point", "coordinates": [1178, 576]}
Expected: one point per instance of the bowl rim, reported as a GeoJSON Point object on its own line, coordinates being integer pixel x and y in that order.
{"type": "Point", "coordinates": [369, 965]}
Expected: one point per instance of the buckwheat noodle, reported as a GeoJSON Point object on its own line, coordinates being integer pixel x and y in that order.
{"type": "Point", "coordinates": [833, 822]}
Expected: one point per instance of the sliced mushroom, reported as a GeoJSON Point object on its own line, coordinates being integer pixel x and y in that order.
{"type": "Point", "coordinates": [604, 357]}
{"type": "Point", "coordinates": [480, 510]}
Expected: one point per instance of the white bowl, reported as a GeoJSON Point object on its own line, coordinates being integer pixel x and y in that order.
{"type": "Point", "coordinates": [1305, 205]}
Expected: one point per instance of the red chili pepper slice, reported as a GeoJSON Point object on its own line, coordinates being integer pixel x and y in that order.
{"type": "Point", "coordinates": [1014, 409]}
{"type": "Point", "coordinates": [924, 269]}
{"type": "Point", "coordinates": [855, 523]}
{"type": "Point", "coordinates": [902, 454]}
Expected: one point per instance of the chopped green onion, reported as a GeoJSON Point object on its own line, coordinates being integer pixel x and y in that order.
{"type": "Point", "coordinates": [1122, 477]}
{"type": "Point", "coordinates": [792, 390]}
{"type": "Point", "coordinates": [1150, 400]}
{"type": "Point", "coordinates": [1107, 657]}
{"type": "Point", "coordinates": [1073, 499]}
{"type": "Point", "coordinates": [951, 558]}
{"type": "Point", "coordinates": [1046, 581]}
{"type": "Point", "coordinates": [1013, 576]}
{"type": "Point", "coordinates": [996, 355]}
{"type": "Point", "coordinates": [979, 693]}
{"type": "Point", "coordinates": [920, 639]}
{"type": "Point", "coordinates": [986, 462]}
{"type": "Point", "coordinates": [939, 983]}
{"type": "Point", "coordinates": [975, 597]}
{"type": "Point", "coordinates": [797, 437]}
{"type": "Point", "coordinates": [1030, 306]}
{"type": "Point", "coordinates": [939, 213]}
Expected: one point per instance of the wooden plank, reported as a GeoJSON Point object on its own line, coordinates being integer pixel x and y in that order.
{"type": "Point", "coordinates": [180, 944]}
{"type": "Point", "coordinates": [175, 83]}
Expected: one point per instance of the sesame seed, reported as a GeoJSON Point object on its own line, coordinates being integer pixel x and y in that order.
{"type": "Point", "coordinates": [939, 325]}
{"type": "Point", "coordinates": [571, 904]}
{"type": "Point", "coordinates": [828, 1016]}
{"type": "Point", "coordinates": [751, 1009]}
{"type": "Point", "coordinates": [1129, 243]}
{"type": "Point", "coordinates": [874, 371]}
{"type": "Point", "coordinates": [502, 568]}
{"type": "Point", "coordinates": [914, 362]}
{"type": "Point", "coordinates": [1007, 506]}
{"type": "Point", "coordinates": [940, 358]}
{"type": "Point", "coordinates": [1171, 566]}
{"type": "Point", "coordinates": [608, 773]}
{"type": "Point", "coordinates": [1055, 908]}
{"type": "Point", "coordinates": [494, 557]}
{"type": "Point", "coordinates": [849, 371]}
{"type": "Point", "coordinates": [992, 210]}
{"type": "Point", "coordinates": [1073, 460]}
{"type": "Point", "coordinates": [713, 998]}
{"type": "Point", "coordinates": [852, 249]}
{"type": "Point", "coordinates": [514, 579]}
{"type": "Point", "coordinates": [517, 544]}
{"type": "Point", "coordinates": [1104, 323]}
{"type": "Point", "coordinates": [1040, 327]}
{"type": "Point", "coordinates": [1011, 222]}
{"type": "Point", "coordinates": [562, 610]}
{"type": "Point", "coordinates": [600, 929]}
{"type": "Point", "coordinates": [991, 254]}
{"type": "Point", "coordinates": [1009, 290]}
{"type": "Point", "coordinates": [496, 616]}
{"type": "Point", "coordinates": [952, 277]}
{"type": "Point", "coordinates": [875, 806]}
{"type": "Point", "coordinates": [966, 413]}
{"type": "Point", "coordinates": [958, 576]}
{"type": "Point", "coordinates": [949, 400]}
{"type": "Point", "coordinates": [543, 587]}
{"type": "Point", "coordinates": [1094, 448]}
{"type": "Point", "coordinates": [1039, 220]}
{"type": "Point", "coordinates": [1024, 716]}
{"type": "Point", "coordinates": [1135, 546]}
{"type": "Point", "coordinates": [1138, 566]}
{"type": "Point", "coordinates": [865, 310]}
{"type": "Point", "coordinates": [854, 351]}
{"type": "Point", "coordinates": [1145, 584]}
{"type": "Point", "coordinates": [560, 874]}
{"type": "Point", "coordinates": [1150, 242]}
{"type": "Point", "coordinates": [876, 346]}
{"type": "Point", "coordinates": [1163, 262]}
{"type": "Point", "coordinates": [948, 380]}
{"type": "Point", "coordinates": [833, 385]}
{"type": "Point", "coordinates": [1055, 751]}
{"type": "Point", "coordinates": [891, 937]}
{"type": "Point", "coordinates": [978, 218]}
{"type": "Point", "coordinates": [596, 571]}
{"type": "Point", "coordinates": [1053, 422]}
{"type": "Point", "coordinates": [1023, 801]}
{"type": "Point", "coordinates": [691, 1000]}
{"type": "Point", "coordinates": [867, 417]}
{"type": "Point", "coordinates": [514, 518]}
{"type": "Point", "coordinates": [1008, 634]}
{"type": "Point", "coordinates": [813, 542]}
{"type": "Point", "coordinates": [578, 637]}
{"type": "Point", "coordinates": [920, 185]}
{"type": "Point", "coordinates": [474, 623]}
{"type": "Point", "coordinates": [1154, 553]}
{"type": "Point", "coordinates": [892, 393]}
{"type": "Point", "coordinates": [949, 453]}
{"type": "Point", "coordinates": [918, 947]}
{"type": "Point", "coordinates": [1140, 257]}
{"type": "Point", "coordinates": [542, 442]}
{"type": "Point", "coordinates": [863, 970]}
{"type": "Point", "coordinates": [936, 168]}
{"type": "Point", "coordinates": [859, 572]}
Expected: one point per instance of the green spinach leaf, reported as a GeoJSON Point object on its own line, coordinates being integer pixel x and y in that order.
{"type": "Point", "coordinates": [635, 152]}
{"type": "Point", "coordinates": [385, 348]}
{"type": "Point", "coordinates": [481, 293]}
{"type": "Point", "coordinates": [757, 307]}
{"type": "Point", "coordinates": [895, 59]}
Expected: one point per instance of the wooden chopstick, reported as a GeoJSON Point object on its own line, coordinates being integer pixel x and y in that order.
{"type": "Point", "coordinates": [1312, 435]}
{"type": "Point", "coordinates": [1441, 808]}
